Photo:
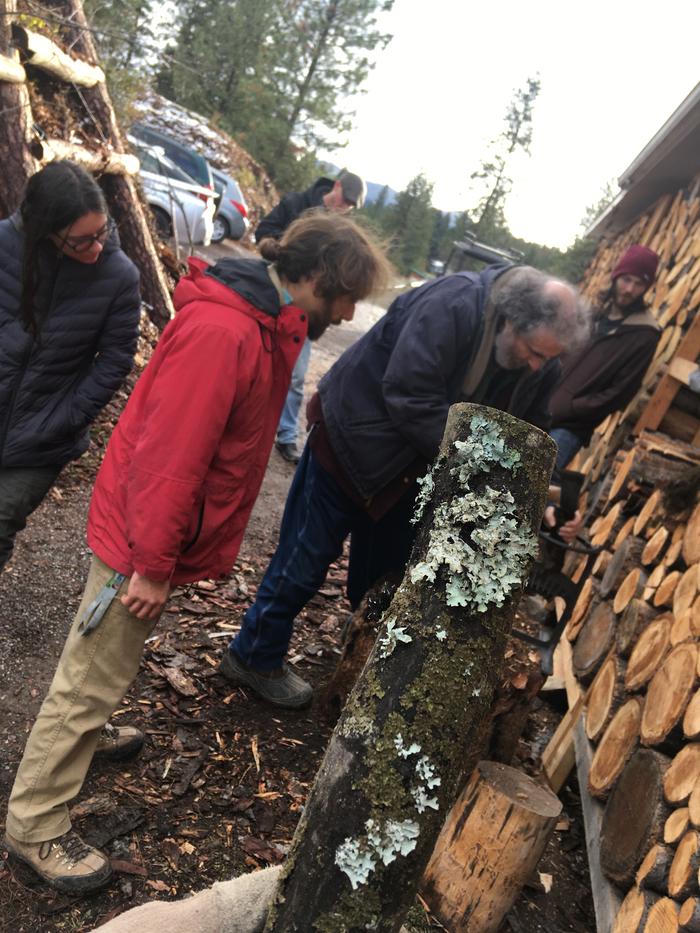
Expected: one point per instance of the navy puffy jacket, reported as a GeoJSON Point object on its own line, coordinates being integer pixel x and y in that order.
{"type": "Point", "coordinates": [53, 386]}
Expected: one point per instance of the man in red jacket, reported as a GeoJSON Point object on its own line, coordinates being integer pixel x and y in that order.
{"type": "Point", "coordinates": [172, 499]}
{"type": "Point", "coordinates": [606, 373]}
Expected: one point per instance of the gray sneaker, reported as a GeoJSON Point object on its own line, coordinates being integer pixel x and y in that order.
{"type": "Point", "coordinates": [281, 687]}
{"type": "Point", "coordinates": [66, 863]}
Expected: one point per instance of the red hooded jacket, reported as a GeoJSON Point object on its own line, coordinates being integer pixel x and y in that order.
{"type": "Point", "coordinates": [185, 462]}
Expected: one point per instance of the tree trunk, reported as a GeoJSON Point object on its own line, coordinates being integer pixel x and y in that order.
{"type": "Point", "coordinates": [595, 639]}
{"type": "Point", "coordinates": [122, 195]}
{"type": "Point", "coordinates": [393, 766]}
{"type": "Point", "coordinates": [18, 163]}
{"type": "Point", "coordinates": [616, 747]}
{"type": "Point", "coordinates": [623, 841]}
{"type": "Point", "coordinates": [682, 775]}
{"type": "Point", "coordinates": [625, 559]}
{"type": "Point", "coordinates": [634, 910]}
{"type": "Point", "coordinates": [648, 654]}
{"type": "Point", "coordinates": [606, 696]}
{"type": "Point", "coordinates": [470, 886]}
{"type": "Point", "coordinates": [653, 872]}
{"type": "Point", "coordinates": [668, 696]}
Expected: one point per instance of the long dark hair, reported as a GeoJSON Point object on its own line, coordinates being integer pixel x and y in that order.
{"type": "Point", "coordinates": [54, 199]}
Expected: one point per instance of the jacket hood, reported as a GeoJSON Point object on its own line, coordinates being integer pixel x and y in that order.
{"type": "Point", "coordinates": [248, 278]}
{"type": "Point", "coordinates": [320, 187]}
{"type": "Point", "coordinates": [640, 319]}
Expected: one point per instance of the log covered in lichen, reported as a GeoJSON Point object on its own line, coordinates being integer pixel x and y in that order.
{"type": "Point", "coordinates": [411, 727]}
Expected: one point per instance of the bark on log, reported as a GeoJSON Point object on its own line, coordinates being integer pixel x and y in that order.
{"type": "Point", "coordinates": [18, 164]}
{"type": "Point", "coordinates": [624, 841]}
{"type": "Point", "coordinates": [41, 52]}
{"type": "Point", "coordinates": [654, 869]}
{"type": "Point", "coordinates": [689, 915]}
{"type": "Point", "coordinates": [625, 559]}
{"type": "Point", "coordinates": [391, 770]}
{"type": "Point", "coordinates": [606, 695]}
{"type": "Point", "coordinates": [594, 641]}
{"type": "Point", "coordinates": [683, 876]}
{"type": "Point", "coordinates": [691, 538]}
{"type": "Point", "coordinates": [634, 910]}
{"type": "Point", "coordinates": [668, 695]}
{"type": "Point", "coordinates": [682, 775]}
{"type": "Point", "coordinates": [630, 588]}
{"type": "Point", "coordinates": [634, 619]}
{"type": "Point", "coordinates": [121, 193]}
{"type": "Point", "coordinates": [616, 747]}
{"type": "Point", "coordinates": [676, 825]}
{"type": "Point", "coordinates": [111, 163]}
{"type": "Point", "coordinates": [648, 654]}
{"type": "Point", "coordinates": [470, 886]}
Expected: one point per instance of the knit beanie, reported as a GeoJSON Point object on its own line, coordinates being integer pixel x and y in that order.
{"type": "Point", "coordinates": [640, 261]}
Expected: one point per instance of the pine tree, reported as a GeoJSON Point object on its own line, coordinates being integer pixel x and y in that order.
{"type": "Point", "coordinates": [412, 223]}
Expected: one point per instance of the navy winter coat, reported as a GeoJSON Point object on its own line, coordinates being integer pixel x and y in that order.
{"type": "Point", "coordinates": [385, 401]}
{"type": "Point", "coordinates": [53, 386]}
{"type": "Point", "coordinates": [290, 207]}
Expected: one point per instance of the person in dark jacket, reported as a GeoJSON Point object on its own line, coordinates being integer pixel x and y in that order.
{"type": "Point", "coordinates": [172, 498]}
{"type": "Point", "coordinates": [69, 314]}
{"type": "Point", "coordinates": [378, 420]}
{"type": "Point", "coordinates": [605, 375]}
{"type": "Point", "coordinates": [340, 196]}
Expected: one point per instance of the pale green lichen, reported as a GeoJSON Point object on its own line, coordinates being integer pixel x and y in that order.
{"type": "Point", "coordinates": [485, 447]}
{"type": "Point", "coordinates": [404, 752]}
{"type": "Point", "coordinates": [383, 842]}
{"type": "Point", "coordinates": [391, 635]}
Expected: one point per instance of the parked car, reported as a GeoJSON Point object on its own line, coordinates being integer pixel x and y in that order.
{"type": "Point", "coordinates": [231, 221]}
{"type": "Point", "coordinates": [189, 161]}
{"type": "Point", "coordinates": [180, 206]}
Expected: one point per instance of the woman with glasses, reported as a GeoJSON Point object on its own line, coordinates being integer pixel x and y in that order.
{"type": "Point", "coordinates": [69, 312]}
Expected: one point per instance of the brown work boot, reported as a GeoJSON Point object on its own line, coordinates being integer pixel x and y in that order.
{"type": "Point", "coordinates": [66, 863]}
{"type": "Point", "coordinates": [117, 743]}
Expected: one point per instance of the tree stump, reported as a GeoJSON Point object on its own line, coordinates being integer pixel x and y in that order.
{"type": "Point", "coordinates": [682, 774]}
{"type": "Point", "coordinates": [594, 642]}
{"type": "Point", "coordinates": [488, 848]}
{"type": "Point", "coordinates": [631, 587]}
{"type": "Point", "coordinates": [615, 749]}
{"type": "Point", "coordinates": [648, 654]}
{"type": "Point", "coordinates": [683, 876]}
{"type": "Point", "coordinates": [653, 872]}
{"type": "Point", "coordinates": [634, 910]}
{"type": "Point", "coordinates": [625, 559]}
{"type": "Point", "coordinates": [634, 619]}
{"type": "Point", "coordinates": [689, 915]}
{"type": "Point", "coordinates": [668, 695]}
{"type": "Point", "coordinates": [676, 825]}
{"type": "Point", "coordinates": [639, 791]}
{"type": "Point", "coordinates": [412, 725]}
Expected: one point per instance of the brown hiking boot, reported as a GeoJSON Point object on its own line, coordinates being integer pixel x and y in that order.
{"type": "Point", "coordinates": [66, 863]}
{"type": "Point", "coordinates": [117, 743]}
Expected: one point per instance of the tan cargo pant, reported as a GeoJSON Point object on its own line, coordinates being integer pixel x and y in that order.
{"type": "Point", "coordinates": [94, 673]}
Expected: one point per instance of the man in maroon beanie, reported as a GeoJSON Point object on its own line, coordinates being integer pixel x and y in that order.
{"type": "Point", "coordinates": [606, 374]}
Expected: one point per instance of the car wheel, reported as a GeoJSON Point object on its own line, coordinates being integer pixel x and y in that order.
{"type": "Point", "coordinates": [164, 226]}
{"type": "Point", "coordinates": [221, 229]}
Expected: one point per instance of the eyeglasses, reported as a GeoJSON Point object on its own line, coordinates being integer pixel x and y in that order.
{"type": "Point", "coordinates": [81, 244]}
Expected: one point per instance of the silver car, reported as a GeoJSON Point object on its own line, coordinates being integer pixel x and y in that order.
{"type": "Point", "coordinates": [181, 208]}
{"type": "Point", "coordinates": [231, 219]}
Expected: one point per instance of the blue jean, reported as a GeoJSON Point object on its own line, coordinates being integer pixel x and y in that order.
{"type": "Point", "coordinates": [288, 427]}
{"type": "Point", "coordinates": [318, 516]}
{"type": "Point", "coordinates": [568, 445]}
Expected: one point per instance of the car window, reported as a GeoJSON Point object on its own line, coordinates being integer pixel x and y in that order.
{"type": "Point", "coordinates": [195, 165]}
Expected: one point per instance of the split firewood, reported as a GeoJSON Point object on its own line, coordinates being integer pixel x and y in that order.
{"type": "Point", "coordinates": [648, 653]}
{"type": "Point", "coordinates": [682, 628]}
{"type": "Point", "coordinates": [634, 619]}
{"type": "Point", "coordinates": [691, 538]}
{"type": "Point", "coordinates": [588, 593]}
{"type": "Point", "coordinates": [602, 562]}
{"type": "Point", "coordinates": [624, 532]}
{"type": "Point", "coordinates": [649, 509]}
{"type": "Point", "coordinates": [639, 791]}
{"type": "Point", "coordinates": [665, 590]}
{"type": "Point", "coordinates": [625, 559]}
{"type": "Point", "coordinates": [682, 775]}
{"type": "Point", "coordinates": [694, 805]}
{"type": "Point", "coordinates": [617, 745]}
{"type": "Point", "coordinates": [668, 695]}
{"type": "Point", "coordinates": [682, 878]}
{"type": "Point", "coordinates": [594, 641]}
{"type": "Point", "coordinates": [691, 718]}
{"type": "Point", "coordinates": [653, 581]}
{"type": "Point", "coordinates": [630, 588]}
{"type": "Point", "coordinates": [676, 825]}
{"type": "Point", "coordinates": [686, 590]}
{"type": "Point", "coordinates": [607, 525]}
{"type": "Point", "coordinates": [689, 915]}
{"type": "Point", "coordinates": [663, 917]}
{"type": "Point", "coordinates": [654, 868]}
{"type": "Point", "coordinates": [606, 695]}
{"type": "Point", "coordinates": [673, 554]}
{"type": "Point", "coordinates": [654, 547]}
{"type": "Point", "coordinates": [634, 911]}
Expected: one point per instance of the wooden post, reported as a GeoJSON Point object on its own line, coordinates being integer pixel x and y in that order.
{"type": "Point", "coordinates": [18, 164]}
{"type": "Point", "coordinates": [412, 727]}
{"type": "Point", "coordinates": [488, 848]}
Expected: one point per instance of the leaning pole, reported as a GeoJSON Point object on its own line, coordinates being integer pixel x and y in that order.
{"type": "Point", "coordinates": [411, 726]}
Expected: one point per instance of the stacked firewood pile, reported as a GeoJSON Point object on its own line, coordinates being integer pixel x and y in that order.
{"type": "Point", "coordinates": [671, 227]}
{"type": "Point", "coordinates": [635, 636]}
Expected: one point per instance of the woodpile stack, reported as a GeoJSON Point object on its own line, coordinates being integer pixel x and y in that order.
{"type": "Point", "coordinates": [671, 227]}
{"type": "Point", "coordinates": [635, 649]}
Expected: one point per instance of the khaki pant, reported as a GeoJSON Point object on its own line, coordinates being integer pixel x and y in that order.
{"type": "Point", "coordinates": [94, 673]}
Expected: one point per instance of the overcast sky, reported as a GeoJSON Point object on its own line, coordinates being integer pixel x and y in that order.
{"type": "Point", "coordinates": [612, 72]}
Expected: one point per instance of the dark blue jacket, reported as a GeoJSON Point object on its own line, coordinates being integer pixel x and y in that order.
{"type": "Point", "coordinates": [53, 386]}
{"type": "Point", "coordinates": [385, 401]}
{"type": "Point", "coordinates": [290, 207]}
